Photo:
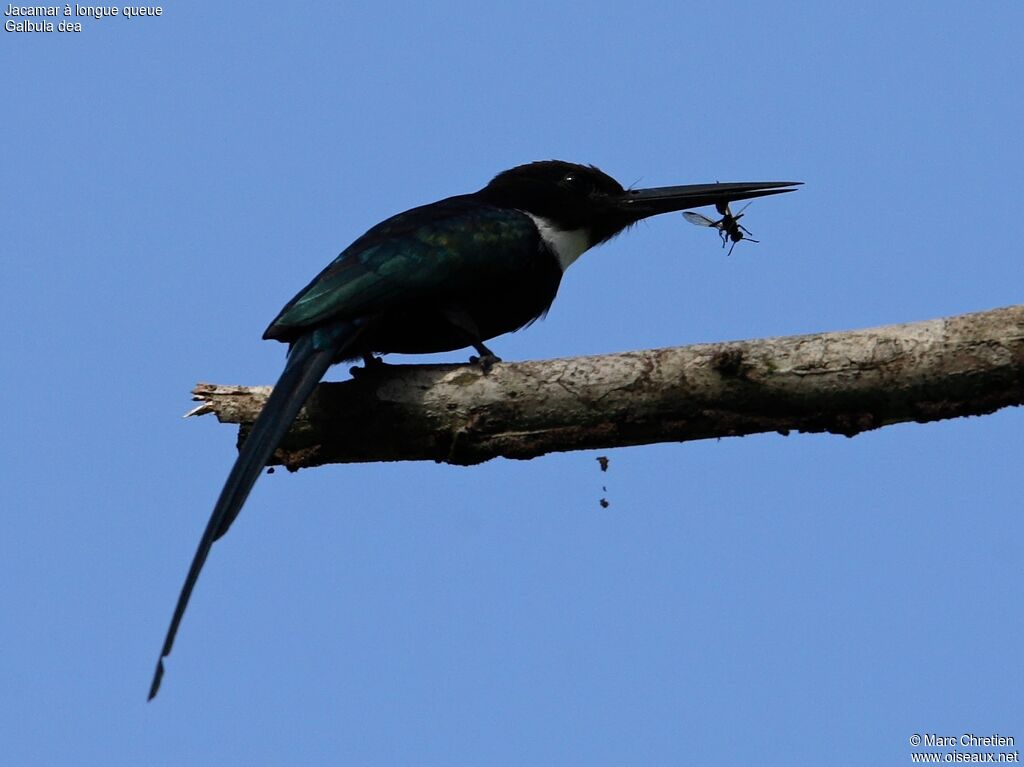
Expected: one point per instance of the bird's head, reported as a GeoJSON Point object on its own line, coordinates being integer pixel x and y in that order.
{"type": "Point", "coordinates": [579, 206]}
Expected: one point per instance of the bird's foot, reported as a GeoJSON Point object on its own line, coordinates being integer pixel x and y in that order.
{"type": "Point", "coordinates": [371, 366]}
{"type": "Point", "coordinates": [485, 361]}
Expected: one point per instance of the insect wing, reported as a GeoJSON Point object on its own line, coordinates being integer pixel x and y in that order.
{"type": "Point", "coordinates": [698, 220]}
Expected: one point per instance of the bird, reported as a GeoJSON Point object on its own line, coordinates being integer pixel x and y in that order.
{"type": "Point", "coordinates": [440, 277]}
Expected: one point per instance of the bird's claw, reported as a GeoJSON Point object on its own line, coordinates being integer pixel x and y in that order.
{"type": "Point", "coordinates": [485, 362]}
{"type": "Point", "coordinates": [371, 365]}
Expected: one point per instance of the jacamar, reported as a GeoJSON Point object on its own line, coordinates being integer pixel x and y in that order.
{"type": "Point", "coordinates": [443, 276]}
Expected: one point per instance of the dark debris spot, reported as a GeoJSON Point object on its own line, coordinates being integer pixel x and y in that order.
{"type": "Point", "coordinates": [729, 362]}
{"type": "Point", "coordinates": [603, 460]}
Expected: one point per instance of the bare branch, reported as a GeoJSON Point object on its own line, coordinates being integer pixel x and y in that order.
{"type": "Point", "coordinates": [843, 383]}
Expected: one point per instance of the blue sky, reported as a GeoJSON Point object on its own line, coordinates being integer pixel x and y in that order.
{"type": "Point", "coordinates": [168, 184]}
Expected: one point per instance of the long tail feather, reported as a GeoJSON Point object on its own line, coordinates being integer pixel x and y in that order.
{"type": "Point", "coordinates": [305, 367]}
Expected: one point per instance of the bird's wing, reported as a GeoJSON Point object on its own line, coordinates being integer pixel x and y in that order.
{"type": "Point", "coordinates": [424, 254]}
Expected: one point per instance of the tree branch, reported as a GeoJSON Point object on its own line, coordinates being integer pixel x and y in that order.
{"type": "Point", "coordinates": [843, 383]}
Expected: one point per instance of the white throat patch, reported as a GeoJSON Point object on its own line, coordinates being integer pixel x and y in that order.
{"type": "Point", "coordinates": [567, 244]}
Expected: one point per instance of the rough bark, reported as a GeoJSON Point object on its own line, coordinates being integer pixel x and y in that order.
{"type": "Point", "coordinates": [844, 383]}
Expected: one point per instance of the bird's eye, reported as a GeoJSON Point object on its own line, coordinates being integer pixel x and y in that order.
{"type": "Point", "coordinates": [574, 181]}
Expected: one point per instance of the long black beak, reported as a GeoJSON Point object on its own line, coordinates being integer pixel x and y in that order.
{"type": "Point", "coordinates": [641, 203]}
